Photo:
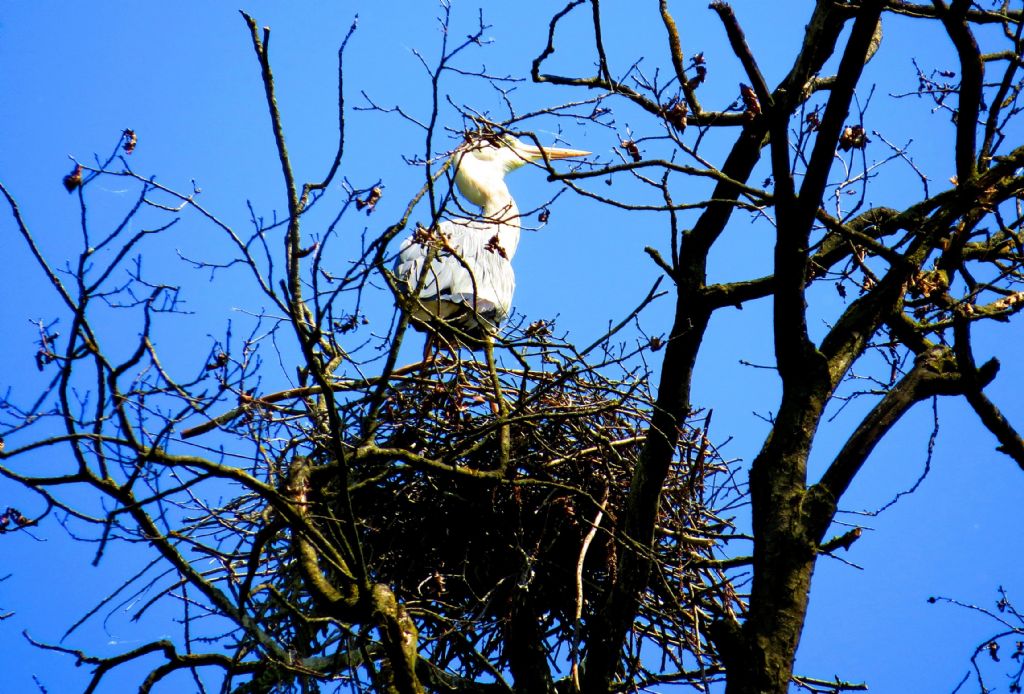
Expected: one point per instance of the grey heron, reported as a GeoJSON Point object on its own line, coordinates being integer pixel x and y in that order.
{"type": "Point", "coordinates": [469, 282]}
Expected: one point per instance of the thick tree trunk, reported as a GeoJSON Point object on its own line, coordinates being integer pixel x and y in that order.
{"type": "Point", "coordinates": [787, 517]}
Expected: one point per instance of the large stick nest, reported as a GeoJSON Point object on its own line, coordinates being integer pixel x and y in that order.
{"type": "Point", "coordinates": [475, 541]}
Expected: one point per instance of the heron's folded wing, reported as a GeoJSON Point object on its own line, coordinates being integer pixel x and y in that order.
{"type": "Point", "coordinates": [474, 273]}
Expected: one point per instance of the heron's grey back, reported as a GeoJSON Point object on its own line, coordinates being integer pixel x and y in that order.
{"type": "Point", "coordinates": [480, 278]}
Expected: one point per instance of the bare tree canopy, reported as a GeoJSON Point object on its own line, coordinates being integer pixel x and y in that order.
{"type": "Point", "coordinates": [229, 409]}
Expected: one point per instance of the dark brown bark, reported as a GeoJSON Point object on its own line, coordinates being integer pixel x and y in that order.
{"type": "Point", "coordinates": [760, 657]}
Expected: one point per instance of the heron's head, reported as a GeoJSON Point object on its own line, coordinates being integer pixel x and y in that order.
{"type": "Point", "coordinates": [484, 160]}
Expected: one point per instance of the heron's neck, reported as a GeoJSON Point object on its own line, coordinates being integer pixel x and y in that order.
{"type": "Point", "coordinates": [499, 208]}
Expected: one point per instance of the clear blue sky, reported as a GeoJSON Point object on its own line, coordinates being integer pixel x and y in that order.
{"type": "Point", "coordinates": [183, 76]}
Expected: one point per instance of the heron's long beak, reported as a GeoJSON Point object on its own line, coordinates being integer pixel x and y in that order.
{"type": "Point", "coordinates": [536, 153]}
